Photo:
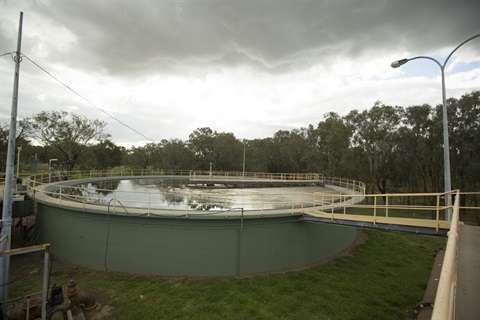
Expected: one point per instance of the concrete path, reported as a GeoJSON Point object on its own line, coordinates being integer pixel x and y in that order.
{"type": "Point", "coordinates": [468, 274]}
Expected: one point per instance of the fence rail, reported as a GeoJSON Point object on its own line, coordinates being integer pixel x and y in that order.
{"type": "Point", "coordinates": [65, 194]}
{"type": "Point", "coordinates": [261, 177]}
{"type": "Point", "coordinates": [444, 307]}
{"type": "Point", "coordinates": [423, 210]}
{"type": "Point", "coordinates": [349, 199]}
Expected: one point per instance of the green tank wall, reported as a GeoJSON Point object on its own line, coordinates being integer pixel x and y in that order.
{"type": "Point", "coordinates": [193, 246]}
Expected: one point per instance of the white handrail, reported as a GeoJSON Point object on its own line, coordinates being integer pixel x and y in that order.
{"type": "Point", "coordinates": [444, 306]}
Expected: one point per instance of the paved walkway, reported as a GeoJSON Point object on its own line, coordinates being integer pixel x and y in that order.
{"type": "Point", "coordinates": [468, 274]}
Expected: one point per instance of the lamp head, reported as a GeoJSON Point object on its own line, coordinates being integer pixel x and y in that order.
{"type": "Point", "coordinates": [396, 64]}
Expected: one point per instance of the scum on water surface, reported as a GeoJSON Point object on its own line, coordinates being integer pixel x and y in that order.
{"type": "Point", "coordinates": [182, 195]}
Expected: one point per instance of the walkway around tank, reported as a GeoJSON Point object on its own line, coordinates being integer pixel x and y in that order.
{"type": "Point", "coordinates": [467, 304]}
{"type": "Point", "coordinates": [391, 212]}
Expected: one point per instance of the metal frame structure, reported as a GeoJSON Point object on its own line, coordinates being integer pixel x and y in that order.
{"type": "Point", "coordinates": [46, 248]}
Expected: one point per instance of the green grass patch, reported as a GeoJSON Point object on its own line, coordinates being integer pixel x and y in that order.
{"type": "Point", "coordinates": [381, 278]}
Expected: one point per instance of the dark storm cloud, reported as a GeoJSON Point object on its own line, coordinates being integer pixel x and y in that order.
{"type": "Point", "coordinates": [154, 36]}
{"type": "Point", "coordinates": [248, 67]}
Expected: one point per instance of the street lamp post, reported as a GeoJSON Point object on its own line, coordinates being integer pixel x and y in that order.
{"type": "Point", "coordinates": [50, 169]}
{"type": "Point", "coordinates": [446, 145]}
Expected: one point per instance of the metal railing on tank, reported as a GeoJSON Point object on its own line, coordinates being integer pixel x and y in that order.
{"type": "Point", "coordinates": [415, 209]}
{"type": "Point", "coordinates": [194, 202]}
{"type": "Point", "coordinates": [353, 185]}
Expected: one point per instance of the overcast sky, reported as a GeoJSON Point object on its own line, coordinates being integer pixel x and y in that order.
{"type": "Point", "coordinates": [166, 68]}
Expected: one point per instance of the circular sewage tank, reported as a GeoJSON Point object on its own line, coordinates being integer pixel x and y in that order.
{"type": "Point", "coordinates": [193, 236]}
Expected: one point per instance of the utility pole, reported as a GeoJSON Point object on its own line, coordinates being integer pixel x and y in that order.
{"type": "Point", "coordinates": [6, 231]}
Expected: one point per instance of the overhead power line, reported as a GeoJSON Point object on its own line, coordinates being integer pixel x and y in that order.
{"type": "Point", "coordinates": [88, 101]}
{"type": "Point", "coordinates": [6, 53]}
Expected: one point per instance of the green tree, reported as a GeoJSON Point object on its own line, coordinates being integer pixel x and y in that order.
{"type": "Point", "coordinates": [223, 150]}
{"type": "Point", "coordinates": [176, 155]}
{"type": "Point", "coordinates": [334, 142]}
{"type": "Point", "coordinates": [420, 166]}
{"type": "Point", "coordinates": [104, 155]}
{"type": "Point", "coordinates": [69, 134]}
{"type": "Point", "coordinates": [20, 141]}
{"type": "Point", "coordinates": [227, 152]}
{"type": "Point", "coordinates": [202, 144]}
{"type": "Point", "coordinates": [312, 156]}
{"type": "Point", "coordinates": [288, 151]}
{"type": "Point", "coordinates": [464, 131]}
{"type": "Point", "coordinates": [375, 131]}
{"type": "Point", "coordinates": [148, 156]}
{"type": "Point", "coordinates": [258, 155]}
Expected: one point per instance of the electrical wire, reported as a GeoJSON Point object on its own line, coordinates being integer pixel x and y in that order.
{"type": "Point", "coordinates": [23, 275]}
{"type": "Point", "coordinates": [82, 97]}
{"type": "Point", "coordinates": [107, 240]}
{"type": "Point", "coordinates": [108, 236]}
{"type": "Point", "coordinates": [7, 53]}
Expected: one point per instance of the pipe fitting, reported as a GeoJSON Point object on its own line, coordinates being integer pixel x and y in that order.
{"type": "Point", "coordinates": [81, 299]}
{"type": "Point", "coordinates": [86, 301]}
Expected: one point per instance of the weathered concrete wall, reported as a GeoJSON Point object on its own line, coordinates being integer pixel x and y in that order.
{"type": "Point", "coordinates": [193, 246]}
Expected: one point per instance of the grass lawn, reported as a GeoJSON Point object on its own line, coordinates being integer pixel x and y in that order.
{"type": "Point", "coordinates": [383, 277]}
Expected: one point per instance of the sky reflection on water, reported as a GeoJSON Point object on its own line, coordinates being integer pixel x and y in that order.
{"type": "Point", "coordinates": [178, 195]}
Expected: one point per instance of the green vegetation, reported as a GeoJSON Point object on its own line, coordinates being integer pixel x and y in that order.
{"type": "Point", "coordinates": [391, 148]}
{"type": "Point", "coordinates": [383, 277]}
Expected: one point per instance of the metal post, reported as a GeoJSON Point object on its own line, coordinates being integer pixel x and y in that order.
{"type": "Point", "coordinates": [446, 145]}
{"type": "Point", "coordinates": [50, 169]}
{"type": "Point", "coordinates": [7, 197]}
{"type": "Point", "coordinates": [243, 159]}
{"type": "Point", "coordinates": [45, 281]}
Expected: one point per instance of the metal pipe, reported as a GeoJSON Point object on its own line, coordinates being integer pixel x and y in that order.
{"type": "Point", "coordinates": [424, 309]}
{"type": "Point", "coordinates": [28, 308]}
{"type": "Point", "coordinates": [7, 195]}
{"type": "Point", "coordinates": [45, 281]}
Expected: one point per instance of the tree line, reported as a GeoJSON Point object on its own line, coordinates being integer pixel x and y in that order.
{"type": "Point", "coordinates": [390, 148]}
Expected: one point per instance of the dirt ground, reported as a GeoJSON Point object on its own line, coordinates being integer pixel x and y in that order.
{"type": "Point", "coordinates": [27, 271]}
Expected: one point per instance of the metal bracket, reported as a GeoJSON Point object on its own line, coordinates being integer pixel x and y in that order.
{"type": "Point", "coordinates": [3, 238]}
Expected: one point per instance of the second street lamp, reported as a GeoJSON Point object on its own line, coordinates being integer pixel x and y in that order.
{"type": "Point", "coordinates": [446, 145]}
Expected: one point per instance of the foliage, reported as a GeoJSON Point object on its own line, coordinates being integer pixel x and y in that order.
{"type": "Point", "coordinates": [375, 132]}
{"type": "Point", "coordinates": [390, 148]}
{"type": "Point", "coordinates": [68, 134]}
{"type": "Point", "coordinates": [223, 151]}
{"type": "Point", "coordinates": [20, 141]}
{"type": "Point", "coordinates": [104, 155]}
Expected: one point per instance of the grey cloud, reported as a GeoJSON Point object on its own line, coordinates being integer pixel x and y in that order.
{"type": "Point", "coordinates": [140, 37]}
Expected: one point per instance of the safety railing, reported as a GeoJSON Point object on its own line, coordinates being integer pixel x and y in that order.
{"type": "Point", "coordinates": [239, 176]}
{"type": "Point", "coordinates": [416, 209]}
{"type": "Point", "coordinates": [45, 186]}
{"type": "Point", "coordinates": [43, 178]}
{"type": "Point", "coordinates": [469, 210]}
{"type": "Point", "coordinates": [191, 201]}
{"type": "Point", "coordinates": [444, 307]}
{"type": "Point", "coordinates": [262, 177]}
